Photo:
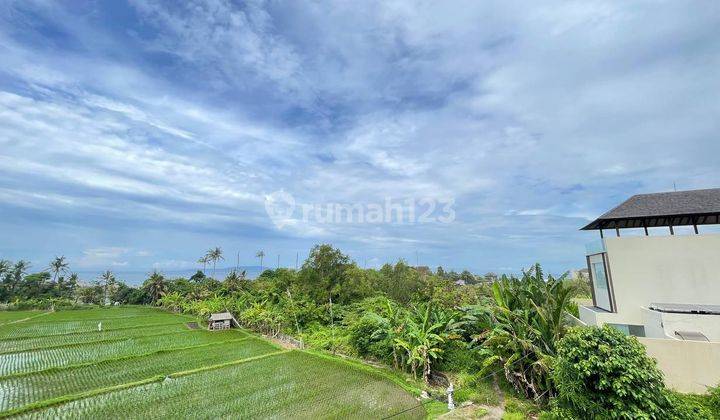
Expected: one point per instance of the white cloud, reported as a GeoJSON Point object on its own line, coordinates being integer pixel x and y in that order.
{"type": "Point", "coordinates": [534, 117]}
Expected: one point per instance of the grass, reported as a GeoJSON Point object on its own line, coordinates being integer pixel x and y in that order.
{"type": "Point", "coordinates": [476, 388]}
{"type": "Point", "coordinates": [10, 317]}
{"type": "Point", "coordinates": [294, 384]}
{"type": "Point", "coordinates": [57, 365]}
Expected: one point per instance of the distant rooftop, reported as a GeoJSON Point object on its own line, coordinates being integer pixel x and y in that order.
{"type": "Point", "coordinates": [679, 208]}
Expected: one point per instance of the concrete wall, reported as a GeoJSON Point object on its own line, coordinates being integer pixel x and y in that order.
{"type": "Point", "coordinates": [689, 366]}
{"type": "Point", "coordinates": [591, 316]}
{"type": "Point", "coordinates": [663, 269]}
{"type": "Point", "coordinates": [653, 322]}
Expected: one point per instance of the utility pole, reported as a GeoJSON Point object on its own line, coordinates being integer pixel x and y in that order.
{"type": "Point", "coordinates": [237, 266]}
{"type": "Point", "coordinates": [417, 260]}
{"type": "Point", "coordinates": [278, 264]}
{"type": "Point", "coordinates": [297, 255]}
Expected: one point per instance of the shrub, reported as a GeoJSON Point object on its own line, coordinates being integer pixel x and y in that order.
{"type": "Point", "coordinates": [690, 406]}
{"type": "Point", "coordinates": [474, 387]}
{"type": "Point", "coordinates": [714, 400]}
{"type": "Point", "coordinates": [361, 335]}
{"type": "Point", "coordinates": [601, 373]}
{"type": "Point", "coordinates": [457, 357]}
{"type": "Point", "coordinates": [44, 304]}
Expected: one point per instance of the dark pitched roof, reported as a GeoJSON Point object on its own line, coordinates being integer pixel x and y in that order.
{"type": "Point", "coordinates": [677, 208]}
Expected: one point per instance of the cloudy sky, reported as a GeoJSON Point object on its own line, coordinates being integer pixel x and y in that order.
{"type": "Point", "coordinates": [138, 135]}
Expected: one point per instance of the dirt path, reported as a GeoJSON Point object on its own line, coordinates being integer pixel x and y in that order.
{"type": "Point", "coordinates": [480, 411]}
{"type": "Point", "coordinates": [24, 319]}
{"type": "Point", "coordinates": [495, 412]}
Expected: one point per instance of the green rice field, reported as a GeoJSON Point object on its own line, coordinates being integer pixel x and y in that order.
{"type": "Point", "coordinates": [148, 363]}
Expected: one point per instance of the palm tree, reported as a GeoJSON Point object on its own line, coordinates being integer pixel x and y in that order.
{"type": "Point", "coordinates": [214, 255]}
{"type": "Point", "coordinates": [107, 280]}
{"type": "Point", "coordinates": [204, 260]}
{"type": "Point", "coordinates": [156, 286]}
{"type": "Point", "coordinates": [260, 254]}
{"type": "Point", "coordinates": [58, 266]}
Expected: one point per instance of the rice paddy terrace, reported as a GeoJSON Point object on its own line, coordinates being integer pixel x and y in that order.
{"type": "Point", "coordinates": [147, 363]}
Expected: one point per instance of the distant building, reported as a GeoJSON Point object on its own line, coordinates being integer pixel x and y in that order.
{"type": "Point", "coordinates": [222, 321]}
{"type": "Point", "coordinates": [663, 289]}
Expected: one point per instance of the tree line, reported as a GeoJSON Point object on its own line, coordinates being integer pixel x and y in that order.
{"type": "Point", "coordinates": [514, 330]}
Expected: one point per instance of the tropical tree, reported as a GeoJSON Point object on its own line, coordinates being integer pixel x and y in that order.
{"type": "Point", "coordinates": [423, 338]}
{"type": "Point", "coordinates": [204, 261]}
{"type": "Point", "coordinates": [107, 281]}
{"type": "Point", "coordinates": [70, 286]}
{"type": "Point", "coordinates": [58, 266]}
{"type": "Point", "coordinates": [324, 273]}
{"type": "Point", "coordinates": [520, 331]}
{"type": "Point", "coordinates": [14, 276]}
{"type": "Point", "coordinates": [391, 323]}
{"type": "Point", "coordinates": [4, 267]}
{"type": "Point", "coordinates": [260, 254]}
{"type": "Point", "coordinates": [214, 255]}
{"type": "Point", "coordinates": [173, 301]}
{"type": "Point", "coordinates": [235, 282]}
{"type": "Point", "coordinates": [156, 286]}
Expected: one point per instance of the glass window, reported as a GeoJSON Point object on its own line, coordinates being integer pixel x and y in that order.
{"type": "Point", "coordinates": [600, 283]}
{"type": "Point", "coordinates": [634, 330]}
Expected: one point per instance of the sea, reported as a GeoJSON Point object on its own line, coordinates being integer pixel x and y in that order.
{"type": "Point", "coordinates": [136, 278]}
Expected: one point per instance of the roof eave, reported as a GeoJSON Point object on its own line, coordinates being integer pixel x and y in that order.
{"type": "Point", "coordinates": [594, 225]}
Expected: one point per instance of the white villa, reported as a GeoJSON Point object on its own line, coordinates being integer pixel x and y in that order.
{"type": "Point", "coordinates": [663, 289]}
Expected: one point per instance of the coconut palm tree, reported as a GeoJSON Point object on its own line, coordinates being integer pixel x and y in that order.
{"type": "Point", "coordinates": [156, 286]}
{"type": "Point", "coordinates": [107, 281]}
{"type": "Point", "coordinates": [260, 254]}
{"type": "Point", "coordinates": [204, 260]}
{"type": "Point", "coordinates": [58, 266]}
{"type": "Point", "coordinates": [214, 255]}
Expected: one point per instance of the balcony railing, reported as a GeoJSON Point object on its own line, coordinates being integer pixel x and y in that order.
{"type": "Point", "coordinates": [595, 247]}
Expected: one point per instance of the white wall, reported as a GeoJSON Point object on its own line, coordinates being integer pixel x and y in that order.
{"type": "Point", "coordinates": [662, 269]}
{"type": "Point", "coordinates": [689, 366]}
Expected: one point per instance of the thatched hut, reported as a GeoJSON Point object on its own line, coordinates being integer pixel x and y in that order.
{"type": "Point", "coordinates": [222, 321]}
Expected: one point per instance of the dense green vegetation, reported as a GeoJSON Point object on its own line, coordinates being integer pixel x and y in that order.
{"type": "Point", "coordinates": [146, 362]}
{"type": "Point", "coordinates": [600, 372]}
{"type": "Point", "coordinates": [486, 333]}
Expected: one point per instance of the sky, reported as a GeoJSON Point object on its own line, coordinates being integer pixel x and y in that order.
{"type": "Point", "coordinates": [137, 135]}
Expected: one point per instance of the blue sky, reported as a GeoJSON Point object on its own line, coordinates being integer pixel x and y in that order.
{"type": "Point", "coordinates": [138, 135]}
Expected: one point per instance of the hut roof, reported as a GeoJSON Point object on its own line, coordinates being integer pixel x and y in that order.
{"type": "Point", "coordinates": [221, 316]}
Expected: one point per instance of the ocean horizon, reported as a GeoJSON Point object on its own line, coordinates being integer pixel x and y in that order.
{"type": "Point", "coordinates": [137, 277]}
